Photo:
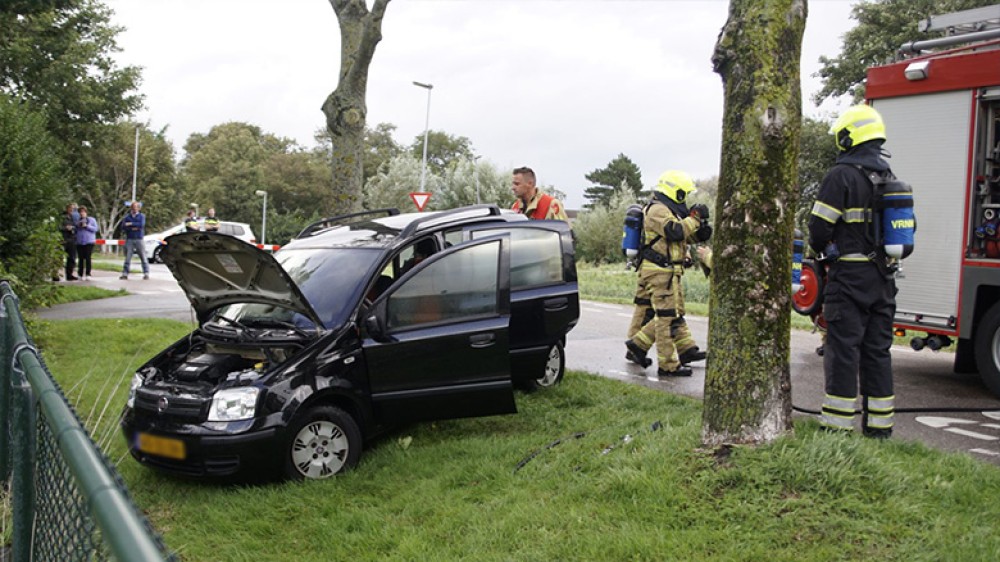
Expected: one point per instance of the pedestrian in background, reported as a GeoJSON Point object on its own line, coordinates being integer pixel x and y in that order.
{"type": "Point", "coordinates": [86, 236]}
{"type": "Point", "coordinates": [134, 227]}
{"type": "Point", "coordinates": [859, 301]}
{"type": "Point", "coordinates": [68, 230]}
{"type": "Point", "coordinates": [531, 201]}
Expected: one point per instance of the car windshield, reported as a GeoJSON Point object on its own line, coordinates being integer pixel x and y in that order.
{"type": "Point", "coordinates": [331, 280]}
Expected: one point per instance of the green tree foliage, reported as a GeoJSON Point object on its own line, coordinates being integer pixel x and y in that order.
{"type": "Point", "coordinates": [883, 26]}
{"type": "Point", "coordinates": [156, 182]}
{"type": "Point", "coordinates": [443, 150]}
{"type": "Point", "coordinates": [817, 153]}
{"type": "Point", "coordinates": [33, 193]}
{"type": "Point", "coordinates": [58, 55]}
{"type": "Point", "coordinates": [458, 187]}
{"type": "Point", "coordinates": [619, 172]}
{"type": "Point", "coordinates": [380, 147]}
{"type": "Point", "coordinates": [392, 185]}
{"type": "Point", "coordinates": [598, 230]}
{"type": "Point", "coordinates": [225, 167]}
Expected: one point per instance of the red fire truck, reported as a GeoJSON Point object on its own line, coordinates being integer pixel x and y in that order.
{"type": "Point", "coordinates": [941, 106]}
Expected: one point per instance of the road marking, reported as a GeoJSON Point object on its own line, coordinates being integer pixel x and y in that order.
{"type": "Point", "coordinates": [938, 423]}
{"type": "Point", "coordinates": [992, 415]}
{"type": "Point", "coordinates": [604, 305]}
{"type": "Point", "coordinates": [623, 315]}
{"type": "Point", "coordinates": [987, 452]}
{"type": "Point", "coordinates": [972, 434]}
{"type": "Point", "coordinates": [992, 425]}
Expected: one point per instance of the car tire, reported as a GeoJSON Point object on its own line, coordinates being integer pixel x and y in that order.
{"type": "Point", "coordinates": [987, 349]}
{"type": "Point", "coordinates": [155, 258]}
{"type": "Point", "coordinates": [809, 298]}
{"type": "Point", "coordinates": [555, 367]}
{"type": "Point", "coordinates": [322, 442]}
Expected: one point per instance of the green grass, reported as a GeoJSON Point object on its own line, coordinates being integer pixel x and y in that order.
{"type": "Point", "coordinates": [449, 490]}
{"type": "Point", "coordinates": [66, 292]}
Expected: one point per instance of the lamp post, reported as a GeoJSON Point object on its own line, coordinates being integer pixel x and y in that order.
{"type": "Point", "coordinates": [427, 123]}
{"type": "Point", "coordinates": [475, 174]}
{"type": "Point", "coordinates": [263, 216]}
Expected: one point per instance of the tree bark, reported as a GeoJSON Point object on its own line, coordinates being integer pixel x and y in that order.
{"type": "Point", "coordinates": [345, 110]}
{"type": "Point", "coordinates": [748, 386]}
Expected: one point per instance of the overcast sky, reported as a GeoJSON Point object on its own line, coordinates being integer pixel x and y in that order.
{"type": "Point", "coordinates": [562, 86]}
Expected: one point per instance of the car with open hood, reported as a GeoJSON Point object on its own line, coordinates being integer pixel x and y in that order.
{"type": "Point", "coordinates": [362, 323]}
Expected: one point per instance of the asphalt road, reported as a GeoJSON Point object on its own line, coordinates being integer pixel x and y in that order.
{"type": "Point", "coordinates": [923, 379]}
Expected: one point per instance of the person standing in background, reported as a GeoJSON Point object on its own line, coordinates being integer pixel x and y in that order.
{"type": "Point", "coordinates": [86, 235]}
{"type": "Point", "coordinates": [134, 228]}
{"type": "Point", "coordinates": [68, 230]}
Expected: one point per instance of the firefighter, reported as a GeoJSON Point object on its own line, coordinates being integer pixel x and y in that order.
{"type": "Point", "coordinates": [530, 201]}
{"type": "Point", "coordinates": [859, 298]}
{"type": "Point", "coordinates": [669, 226]}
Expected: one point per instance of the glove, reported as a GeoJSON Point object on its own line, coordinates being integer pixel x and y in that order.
{"type": "Point", "coordinates": [703, 233]}
{"type": "Point", "coordinates": [700, 210]}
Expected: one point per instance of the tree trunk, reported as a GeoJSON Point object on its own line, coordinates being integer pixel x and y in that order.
{"type": "Point", "coordinates": [345, 110]}
{"type": "Point", "coordinates": [747, 386]}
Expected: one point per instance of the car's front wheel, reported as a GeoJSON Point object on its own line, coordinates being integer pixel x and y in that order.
{"type": "Point", "coordinates": [322, 442]}
{"type": "Point", "coordinates": [155, 258]}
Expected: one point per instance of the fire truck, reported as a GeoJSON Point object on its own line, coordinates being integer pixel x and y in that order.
{"type": "Point", "coordinates": [941, 106]}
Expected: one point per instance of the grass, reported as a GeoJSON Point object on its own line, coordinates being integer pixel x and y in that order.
{"type": "Point", "coordinates": [620, 491]}
{"type": "Point", "coordinates": [66, 292]}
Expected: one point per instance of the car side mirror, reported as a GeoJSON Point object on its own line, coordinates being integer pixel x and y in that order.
{"type": "Point", "coordinates": [375, 324]}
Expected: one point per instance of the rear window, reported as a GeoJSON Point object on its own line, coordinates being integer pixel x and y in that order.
{"type": "Point", "coordinates": [535, 255]}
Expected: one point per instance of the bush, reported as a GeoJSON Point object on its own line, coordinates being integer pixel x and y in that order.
{"type": "Point", "coordinates": [598, 231]}
{"type": "Point", "coordinates": [32, 194]}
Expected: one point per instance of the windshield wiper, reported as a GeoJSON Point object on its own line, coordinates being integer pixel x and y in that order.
{"type": "Point", "coordinates": [277, 323]}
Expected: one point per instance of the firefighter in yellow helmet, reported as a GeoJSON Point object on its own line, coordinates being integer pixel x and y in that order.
{"type": "Point", "coordinates": [859, 299]}
{"type": "Point", "coordinates": [669, 226]}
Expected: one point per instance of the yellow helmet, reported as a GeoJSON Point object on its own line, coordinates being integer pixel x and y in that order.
{"type": "Point", "coordinates": [676, 185]}
{"type": "Point", "coordinates": [857, 124]}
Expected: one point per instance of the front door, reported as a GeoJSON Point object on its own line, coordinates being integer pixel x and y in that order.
{"type": "Point", "coordinates": [442, 350]}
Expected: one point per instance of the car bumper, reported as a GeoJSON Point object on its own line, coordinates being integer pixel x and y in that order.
{"type": "Point", "coordinates": [248, 448]}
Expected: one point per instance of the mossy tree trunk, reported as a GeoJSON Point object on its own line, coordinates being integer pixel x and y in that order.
{"type": "Point", "coordinates": [747, 386]}
{"type": "Point", "coordinates": [345, 109]}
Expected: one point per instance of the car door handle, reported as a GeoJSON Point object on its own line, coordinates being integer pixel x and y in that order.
{"type": "Point", "coordinates": [482, 340]}
{"type": "Point", "coordinates": [555, 305]}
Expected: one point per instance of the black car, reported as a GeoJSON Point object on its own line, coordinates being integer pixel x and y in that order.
{"type": "Point", "coordinates": [361, 323]}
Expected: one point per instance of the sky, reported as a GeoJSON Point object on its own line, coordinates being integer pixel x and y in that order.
{"type": "Point", "coordinates": [561, 86]}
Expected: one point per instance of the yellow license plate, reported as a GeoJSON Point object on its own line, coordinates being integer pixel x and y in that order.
{"type": "Point", "coordinates": [161, 446]}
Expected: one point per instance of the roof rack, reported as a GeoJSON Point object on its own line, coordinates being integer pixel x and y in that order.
{"type": "Point", "coordinates": [328, 222]}
{"type": "Point", "coordinates": [490, 209]}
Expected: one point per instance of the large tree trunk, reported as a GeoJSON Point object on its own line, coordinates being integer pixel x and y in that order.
{"type": "Point", "coordinates": [747, 387]}
{"type": "Point", "coordinates": [345, 110]}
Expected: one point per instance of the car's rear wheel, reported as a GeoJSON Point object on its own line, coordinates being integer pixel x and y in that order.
{"type": "Point", "coordinates": [322, 442]}
{"type": "Point", "coordinates": [555, 367]}
{"type": "Point", "coordinates": [155, 258]}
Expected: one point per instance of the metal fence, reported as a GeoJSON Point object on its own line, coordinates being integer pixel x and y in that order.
{"type": "Point", "coordinates": [67, 502]}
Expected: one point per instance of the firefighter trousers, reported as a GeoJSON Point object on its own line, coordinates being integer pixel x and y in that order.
{"type": "Point", "coordinates": [664, 326]}
{"type": "Point", "coordinates": [859, 306]}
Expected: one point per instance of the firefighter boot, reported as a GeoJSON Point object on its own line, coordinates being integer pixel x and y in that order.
{"type": "Point", "coordinates": [636, 354]}
{"type": "Point", "coordinates": [691, 354]}
{"type": "Point", "coordinates": [681, 371]}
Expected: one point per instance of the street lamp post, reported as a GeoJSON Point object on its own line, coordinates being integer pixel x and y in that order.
{"type": "Point", "coordinates": [475, 174]}
{"type": "Point", "coordinates": [263, 217]}
{"type": "Point", "coordinates": [427, 123]}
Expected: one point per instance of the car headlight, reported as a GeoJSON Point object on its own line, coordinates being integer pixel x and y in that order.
{"type": "Point", "coordinates": [232, 404]}
{"type": "Point", "coordinates": [137, 381]}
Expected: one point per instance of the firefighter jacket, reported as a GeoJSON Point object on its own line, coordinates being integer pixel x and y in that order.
{"type": "Point", "coordinates": [542, 206]}
{"type": "Point", "coordinates": [668, 230]}
{"type": "Point", "coordinates": [844, 207]}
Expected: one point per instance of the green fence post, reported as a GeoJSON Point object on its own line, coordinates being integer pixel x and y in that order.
{"type": "Point", "coordinates": [5, 381]}
{"type": "Point", "coordinates": [23, 447]}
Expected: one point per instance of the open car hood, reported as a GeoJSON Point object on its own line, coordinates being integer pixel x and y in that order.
{"type": "Point", "coordinates": [215, 270]}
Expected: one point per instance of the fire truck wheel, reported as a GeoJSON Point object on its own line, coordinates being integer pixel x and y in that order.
{"type": "Point", "coordinates": [988, 349]}
{"type": "Point", "coordinates": [809, 298]}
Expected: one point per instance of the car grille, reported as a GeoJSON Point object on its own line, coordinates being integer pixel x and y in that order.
{"type": "Point", "coordinates": [182, 409]}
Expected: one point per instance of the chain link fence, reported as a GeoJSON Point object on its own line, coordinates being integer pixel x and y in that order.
{"type": "Point", "coordinates": [61, 498]}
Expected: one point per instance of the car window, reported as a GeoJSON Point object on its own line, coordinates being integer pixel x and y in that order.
{"type": "Point", "coordinates": [535, 255]}
{"type": "Point", "coordinates": [457, 287]}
